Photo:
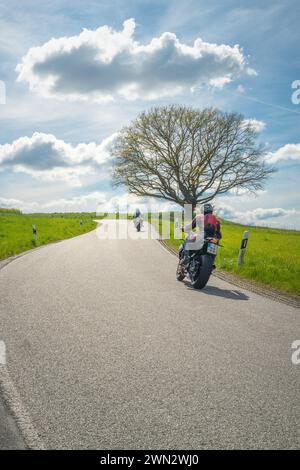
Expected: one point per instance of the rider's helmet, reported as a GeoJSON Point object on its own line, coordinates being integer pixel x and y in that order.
{"type": "Point", "coordinates": [208, 209]}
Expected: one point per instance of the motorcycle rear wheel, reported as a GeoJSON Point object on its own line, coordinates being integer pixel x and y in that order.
{"type": "Point", "coordinates": [179, 273]}
{"type": "Point", "coordinates": [204, 272]}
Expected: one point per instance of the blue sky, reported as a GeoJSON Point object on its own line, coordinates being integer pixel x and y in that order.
{"type": "Point", "coordinates": [55, 140]}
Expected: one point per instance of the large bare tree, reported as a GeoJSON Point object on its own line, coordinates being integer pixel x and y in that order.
{"type": "Point", "coordinates": [188, 156]}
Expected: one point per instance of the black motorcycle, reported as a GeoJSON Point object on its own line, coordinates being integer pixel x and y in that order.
{"type": "Point", "coordinates": [198, 264]}
{"type": "Point", "coordinates": [138, 223]}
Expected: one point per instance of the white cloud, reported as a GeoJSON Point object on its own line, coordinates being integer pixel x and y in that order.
{"type": "Point", "coordinates": [102, 64]}
{"type": "Point", "coordinates": [263, 214]}
{"type": "Point", "coordinates": [287, 152]}
{"type": "Point", "coordinates": [254, 216]}
{"type": "Point", "coordinates": [257, 126]}
{"type": "Point", "coordinates": [240, 89]}
{"type": "Point", "coordinates": [83, 203]}
{"type": "Point", "coordinates": [245, 192]}
{"type": "Point", "coordinates": [129, 202]}
{"type": "Point", "coordinates": [47, 158]}
{"type": "Point", "coordinates": [95, 201]}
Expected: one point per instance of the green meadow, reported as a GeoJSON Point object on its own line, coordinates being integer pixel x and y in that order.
{"type": "Point", "coordinates": [16, 233]}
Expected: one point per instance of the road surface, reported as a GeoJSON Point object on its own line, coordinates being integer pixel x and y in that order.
{"type": "Point", "coordinates": [108, 351]}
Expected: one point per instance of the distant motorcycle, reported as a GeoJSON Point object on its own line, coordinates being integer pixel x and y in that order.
{"type": "Point", "coordinates": [199, 263]}
{"type": "Point", "coordinates": [138, 223]}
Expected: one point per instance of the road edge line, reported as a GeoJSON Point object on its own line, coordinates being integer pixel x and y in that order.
{"type": "Point", "coordinates": [15, 406]}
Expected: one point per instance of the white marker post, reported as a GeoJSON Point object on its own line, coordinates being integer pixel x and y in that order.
{"type": "Point", "coordinates": [243, 248]}
{"type": "Point", "coordinates": [34, 232]}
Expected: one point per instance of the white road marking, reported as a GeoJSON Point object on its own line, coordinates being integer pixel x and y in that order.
{"type": "Point", "coordinates": [17, 409]}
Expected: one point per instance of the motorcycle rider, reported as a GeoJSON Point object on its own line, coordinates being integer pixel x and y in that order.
{"type": "Point", "coordinates": [212, 228]}
{"type": "Point", "coordinates": [137, 213]}
{"type": "Point", "coordinates": [137, 219]}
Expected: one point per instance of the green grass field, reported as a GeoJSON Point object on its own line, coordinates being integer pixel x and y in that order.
{"type": "Point", "coordinates": [16, 229]}
{"type": "Point", "coordinates": [272, 257]}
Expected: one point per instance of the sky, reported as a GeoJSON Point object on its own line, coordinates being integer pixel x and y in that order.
{"type": "Point", "coordinates": [73, 73]}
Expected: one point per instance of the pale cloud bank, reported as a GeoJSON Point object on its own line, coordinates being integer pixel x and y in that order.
{"type": "Point", "coordinates": [45, 157]}
{"type": "Point", "coordinates": [103, 64]}
{"type": "Point", "coordinates": [287, 152]}
{"type": "Point", "coordinates": [82, 203]}
{"type": "Point", "coordinates": [95, 201]}
{"type": "Point", "coordinates": [255, 124]}
{"type": "Point", "coordinates": [258, 216]}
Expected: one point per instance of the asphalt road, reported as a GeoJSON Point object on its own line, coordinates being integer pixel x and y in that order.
{"type": "Point", "coordinates": [10, 436]}
{"type": "Point", "coordinates": [108, 351]}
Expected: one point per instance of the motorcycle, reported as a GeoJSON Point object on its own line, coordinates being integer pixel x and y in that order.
{"type": "Point", "coordinates": [199, 264]}
{"type": "Point", "coordinates": [138, 223]}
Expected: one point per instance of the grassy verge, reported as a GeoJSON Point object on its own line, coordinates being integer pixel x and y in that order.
{"type": "Point", "coordinates": [272, 257]}
{"type": "Point", "coordinates": [16, 229]}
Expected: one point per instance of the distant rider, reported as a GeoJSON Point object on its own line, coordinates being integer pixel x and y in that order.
{"type": "Point", "coordinates": [137, 213]}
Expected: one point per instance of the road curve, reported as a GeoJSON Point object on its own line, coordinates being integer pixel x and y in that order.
{"type": "Point", "coordinates": [108, 351]}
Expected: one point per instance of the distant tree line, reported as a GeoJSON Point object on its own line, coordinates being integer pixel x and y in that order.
{"type": "Point", "coordinates": [10, 210]}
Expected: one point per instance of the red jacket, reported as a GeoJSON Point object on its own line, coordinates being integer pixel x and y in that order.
{"type": "Point", "coordinates": [211, 219]}
{"type": "Point", "coordinates": [210, 222]}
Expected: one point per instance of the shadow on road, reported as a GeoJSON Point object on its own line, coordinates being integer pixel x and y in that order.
{"type": "Point", "coordinates": [226, 293]}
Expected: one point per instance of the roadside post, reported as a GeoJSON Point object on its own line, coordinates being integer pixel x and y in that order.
{"type": "Point", "coordinates": [34, 232]}
{"type": "Point", "coordinates": [81, 223]}
{"type": "Point", "coordinates": [243, 248]}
